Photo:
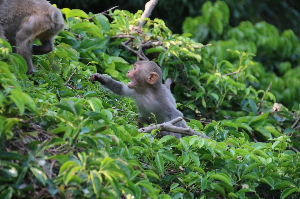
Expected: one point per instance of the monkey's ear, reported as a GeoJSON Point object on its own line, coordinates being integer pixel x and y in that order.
{"type": "Point", "coordinates": [152, 78]}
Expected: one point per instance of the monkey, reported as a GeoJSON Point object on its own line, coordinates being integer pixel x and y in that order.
{"type": "Point", "coordinates": [24, 21]}
{"type": "Point", "coordinates": [151, 96]}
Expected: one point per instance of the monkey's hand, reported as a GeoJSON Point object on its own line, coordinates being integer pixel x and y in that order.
{"type": "Point", "coordinates": [97, 77]}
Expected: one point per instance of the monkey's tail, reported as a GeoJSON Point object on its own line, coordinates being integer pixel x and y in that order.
{"type": "Point", "coordinates": [168, 83]}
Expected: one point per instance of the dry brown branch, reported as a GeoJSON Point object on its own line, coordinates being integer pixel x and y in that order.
{"type": "Point", "coordinates": [169, 126]}
{"type": "Point", "coordinates": [51, 168]}
{"type": "Point", "coordinates": [147, 12]}
{"type": "Point", "coordinates": [139, 53]}
{"type": "Point", "coordinates": [262, 99]}
{"type": "Point", "coordinates": [99, 14]}
{"type": "Point", "coordinates": [74, 71]}
{"type": "Point", "coordinates": [231, 73]}
{"type": "Point", "coordinates": [295, 123]}
{"type": "Point", "coordinates": [122, 36]}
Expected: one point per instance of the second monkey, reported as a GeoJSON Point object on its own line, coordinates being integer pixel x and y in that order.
{"type": "Point", "coordinates": [151, 96]}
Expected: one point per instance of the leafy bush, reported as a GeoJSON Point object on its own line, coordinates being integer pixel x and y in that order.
{"type": "Point", "coordinates": [277, 55]}
{"type": "Point", "coordinates": [63, 137]}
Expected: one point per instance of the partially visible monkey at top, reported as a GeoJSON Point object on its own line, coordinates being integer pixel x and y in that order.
{"type": "Point", "coordinates": [23, 21]}
{"type": "Point", "coordinates": [151, 96]}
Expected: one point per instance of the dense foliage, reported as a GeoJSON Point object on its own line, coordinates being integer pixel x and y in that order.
{"type": "Point", "coordinates": [63, 137]}
{"type": "Point", "coordinates": [277, 54]}
{"type": "Point", "coordinates": [282, 14]}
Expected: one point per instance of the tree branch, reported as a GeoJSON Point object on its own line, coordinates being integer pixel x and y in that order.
{"type": "Point", "coordinates": [74, 71]}
{"type": "Point", "coordinates": [147, 12]}
{"type": "Point", "coordinates": [99, 14]}
{"type": "Point", "coordinates": [169, 126]}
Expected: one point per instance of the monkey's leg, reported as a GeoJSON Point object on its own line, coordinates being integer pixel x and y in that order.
{"type": "Point", "coordinates": [23, 41]}
{"type": "Point", "coordinates": [2, 35]}
{"type": "Point", "coordinates": [46, 47]}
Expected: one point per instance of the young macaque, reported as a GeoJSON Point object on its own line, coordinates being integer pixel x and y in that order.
{"type": "Point", "coordinates": [151, 96]}
{"type": "Point", "coordinates": [23, 21]}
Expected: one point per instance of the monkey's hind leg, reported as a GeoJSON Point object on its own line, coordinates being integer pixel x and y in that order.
{"type": "Point", "coordinates": [2, 34]}
{"type": "Point", "coordinates": [46, 47]}
{"type": "Point", "coordinates": [24, 37]}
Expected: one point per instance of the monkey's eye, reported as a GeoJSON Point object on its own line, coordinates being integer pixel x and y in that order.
{"type": "Point", "coordinates": [134, 68]}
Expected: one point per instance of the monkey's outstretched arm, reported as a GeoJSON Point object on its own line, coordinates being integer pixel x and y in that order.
{"type": "Point", "coordinates": [114, 86]}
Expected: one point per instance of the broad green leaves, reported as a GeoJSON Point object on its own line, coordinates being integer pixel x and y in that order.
{"type": "Point", "coordinates": [59, 131]}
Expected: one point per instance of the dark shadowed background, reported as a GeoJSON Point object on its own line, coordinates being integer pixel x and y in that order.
{"type": "Point", "coordinates": [284, 14]}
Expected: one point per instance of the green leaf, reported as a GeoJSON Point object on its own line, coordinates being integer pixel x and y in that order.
{"type": "Point", "coordinates": [19, 63]}
{"type": "Point", "coordinates": [71, 174]}
{"type": "Point", "coordinates": [288, 192]}
{"type": "Point", "coordinates": [161, 58]}
{"type": "Point", "coordinates": [21, 175]}
{"type": "Point", "coordinates": [76, 13]}
{"type": "Point", "coordinates": [269, 181]}
{"type": "Point", "coordinates": [283, 184]}
{"type": "Point", "coordinates": [15, 97]}
{"type": "Point", "coordinates": [184, 144]}
{"type": "Point", "coordinates": [273, 131]}
{"type": "Point", "coordinates": [96, 104]}
{"type": "Point", "coordinates": [10, 156]}
{"type": "Point", "coordinates": [228, 123]}
{"type": "Point", "coordinates": [96, 181]}
{"type": "Point", "coordinates": [264, 132]}
{"type": "Point", "coordinates": [104, 22]}
{"type": "Point", "coordinates": [221, 176]}
{"type": "Point", "coordinates": [159, 164]}
{"type": "Point", "coordinates": [174, 185]}
{"type": "Point", "coordinates": [6, 194]}
{"type": "Point", "coordinates": [40, 175]}
{"type": "Point", "coordinates": [67, 165]}
{"type": "Point", "coordinates": [218, 188]}
{"type": "Point", "coordinates": [203, 183]}
{"type": "Point", "coordinates": [197, 123]}
{"type": "Point", "coordinates": [259, 121]}
{"type": "Point", "coordinates": [185, 157]}
{"type": "Point", "coordinates": [165, 139]}
{"type": "Point", "coordinates": [253, 106]}
{"type": "Point", "coordinates": [168, 156]}
{"type": "Point", "coordinates": [195, 158]}
{"type": "Point", "coordinates": [62, 158]}
{"type": "Point", "coordinates": [53, 142]}
{"type": "Point", "coordinates": [251, 167]}
{"type": "Point", "coordinates": [151, 174]}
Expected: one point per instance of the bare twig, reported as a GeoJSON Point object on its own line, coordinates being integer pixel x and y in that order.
{"type": "Point", "coordinates": [262, 99]}
{"type": "Point", "coordinates": [169, 126]}
{"type": "Point", "coordinates": [295, 123]}
{"type": "Point", "coordinates": [123, 36]}
{"type": "Point", "coordinates": [74, 71]}
{"type": "Point", "coordinates": [231, 73]}
{"type": "Point", "coordinates": [147, 12]}
{"type": "Point", "coordinates": [99, 14]}
{"type": "Point", "coordinates": [294, 149]}
{"type": "Point", "coordinates": [51, 168]}
{"type": "Point", "coordinates": [139, 53]}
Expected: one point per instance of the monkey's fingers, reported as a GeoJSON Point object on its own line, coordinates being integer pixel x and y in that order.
{"type": "Point", "coordinates": [92, 78]}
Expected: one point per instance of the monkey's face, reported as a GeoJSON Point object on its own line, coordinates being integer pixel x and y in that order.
{"type": "Point", "coordinates": [141, 76]}
{"type": "Point", "coordinates": [134, 75]}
